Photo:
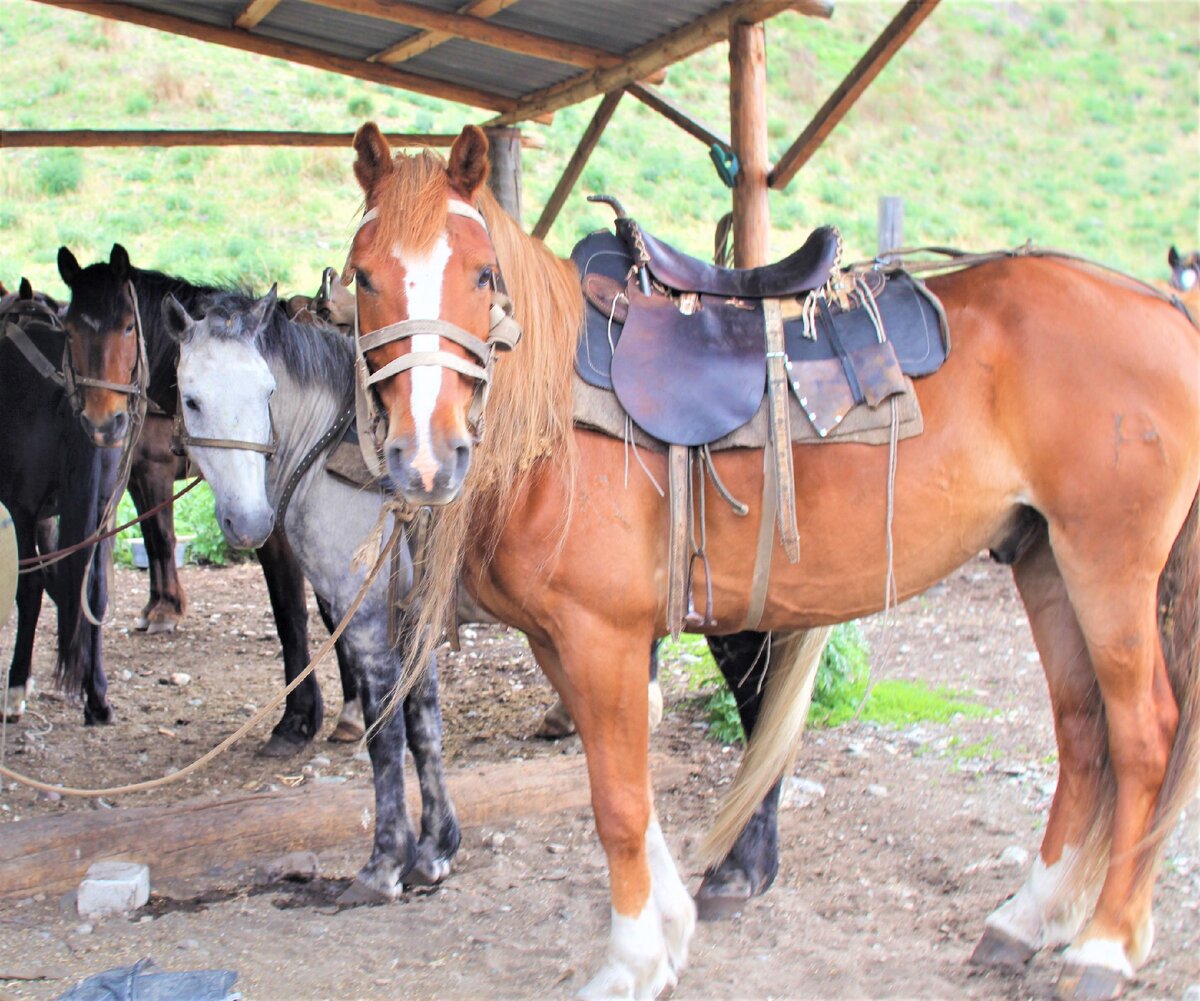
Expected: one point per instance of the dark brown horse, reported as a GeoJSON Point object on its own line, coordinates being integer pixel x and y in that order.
{"type": "Point", "coordinates": [1063, 431]}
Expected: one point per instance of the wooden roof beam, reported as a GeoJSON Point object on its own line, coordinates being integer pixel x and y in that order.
{"type": "Point", "coordinates": [426, 40]}
{"type": "Point", "coordinates": [254, 12]}
{"type": "Point", "coordinates": [477, 29]}
{"type": "Point", "coordinates": [237, 39]}
{"type": "Point", "coordinates": [672, 112]}
{"type": "Point", "coordinates": [579, 159]}
{"type": "Point", "coordinates": [656, 55]}
{"type": "Point", "coordinates": [850, 90]}
{"type": "Point", "coordinates": [27, 138]}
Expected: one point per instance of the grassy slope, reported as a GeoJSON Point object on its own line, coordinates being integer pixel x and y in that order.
{"type": "Point", "coordinates": [1074, 124]}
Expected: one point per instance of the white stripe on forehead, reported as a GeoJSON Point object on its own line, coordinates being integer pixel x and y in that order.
{"type": "Point", "coordinates": [423, 276]}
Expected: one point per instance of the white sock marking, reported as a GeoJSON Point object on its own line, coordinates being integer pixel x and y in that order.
{"type": "Point", "coordinates": [1037, 914]}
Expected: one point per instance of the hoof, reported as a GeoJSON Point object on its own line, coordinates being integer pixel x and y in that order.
{"type": "Point", "coordinates": [556, 724]}
{"type": "Point", "coordinates": [97, 717]}
{"type": "Point", "coordinates": [159, 628]}
{"type": "Point", "coordinates": [13, 708]}
{"type": "Point", "coordinates": [429, 873]}
{"type": "Point", "coordinates": [347, 733]}
{"type": "Point", "coordinates": [141, 624]}
{"type": "Point", "coordinates": [360, 894]}
{"type": "Point", "coordinates": [282, 746]}
{"type": "Point", "coordinates": [1089, 983]}
{"type": "Point", "coordinates": [720, 901]}
{"type": "Point", "coordinates": [1001, 951]}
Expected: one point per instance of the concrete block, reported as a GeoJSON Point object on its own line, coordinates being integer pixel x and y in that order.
{"type": "Point", "coordinates": [113, 888]}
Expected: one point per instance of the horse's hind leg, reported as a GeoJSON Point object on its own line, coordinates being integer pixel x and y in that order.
{"type": "Point", "coordinates": [350, 726]}
{"type": "Point", "coordinates": [753, 862]}
{"type": "Point", "coordinates": [30, 587]}
{"type": "Point", "coordinates": [440, 835]}
{"type": "Point", "coordinates": [1051, 906]}
{"type": "Point", "coordinates": [151, 482]}
{"type": "Point", "coordinates": [303, 713]}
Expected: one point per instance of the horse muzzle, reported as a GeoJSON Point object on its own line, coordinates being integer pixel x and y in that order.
{"type": "Point", "coordinates": [246, 529]}
{"type": "Point", "coordinates": [428, 473]}
{"type": "Point", "coordinates": [108, 433]}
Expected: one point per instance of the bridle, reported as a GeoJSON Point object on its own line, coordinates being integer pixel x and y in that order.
{"type": "Point", "coordinates": [181, 440]}
{"type": "Point", "coordinates": [503, 335]}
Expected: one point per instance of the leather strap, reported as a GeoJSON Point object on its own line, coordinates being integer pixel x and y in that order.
{"type": "Point", "coordinates": [41, 364]}
{"type": "Point", "coordinates": [678, 488]}
{"type": "Point", "coordinates": [766, 544]}
{"type": "Point", "coordinates": [781, 428]}
{"type": "Point", "coordinates": [335, 432]}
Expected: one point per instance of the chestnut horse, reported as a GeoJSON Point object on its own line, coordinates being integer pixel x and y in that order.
{"type": "Point", "coordinates": [1063, 432]}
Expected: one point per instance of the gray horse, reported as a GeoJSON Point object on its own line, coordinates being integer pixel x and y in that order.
{"type": "Point", "coordinates": [250, 377]}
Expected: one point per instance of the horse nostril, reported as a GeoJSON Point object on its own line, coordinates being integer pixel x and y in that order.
{"type": "Point", "coordinates": [118, 424]}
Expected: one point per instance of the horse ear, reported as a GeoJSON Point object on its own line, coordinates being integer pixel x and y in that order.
{"type": "Point", "coordinates": [25, 291]}
{"type": "Point", "coordinates": [264, 307]}
{"type": "Point", "coordinates": [68, 267]}
{"type": "Point", "coordinates": [374, 161]}
{"type": "Point", "coordinates": [118, 260]}
{"type": "Point", "coordinates": [176, 320]}
{"type": "Point", "coordinates": [469, 165]}
{"type": "Point", "coordinates": [1173, 257]}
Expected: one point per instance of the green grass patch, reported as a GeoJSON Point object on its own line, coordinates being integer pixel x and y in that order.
{"type": "Point", "coordinates": [195, 515]}
{"type": "Point", "coordinates": [59, 171]}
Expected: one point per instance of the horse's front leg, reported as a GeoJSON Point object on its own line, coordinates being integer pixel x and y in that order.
{"type": "Point", "coordinates": [394, 851]}
{"type": "Point", "coordinates": [151, 482]}
{"type": "Point", "coordinates": [600, 672]}
{"type": "Point", "coordinates": [440, 835]}
{"type": "Point", "coordinates": [30, 587]}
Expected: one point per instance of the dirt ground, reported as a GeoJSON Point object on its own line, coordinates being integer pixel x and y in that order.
{"type": "Point", "coordinates": [884, 884]}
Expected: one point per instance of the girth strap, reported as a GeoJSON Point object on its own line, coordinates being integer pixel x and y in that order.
{"type": "Point", "coordinates": [781, 428]}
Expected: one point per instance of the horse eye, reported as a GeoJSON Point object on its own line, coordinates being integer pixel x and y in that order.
{"type": "Point", "coordinates": [191, 403]}
{"type": "Point", "coordinates": [486, 276]}
{"type": "Point", "coordinates": [364, 282]}
{"type": "Point", "coordinates": [129, 329]}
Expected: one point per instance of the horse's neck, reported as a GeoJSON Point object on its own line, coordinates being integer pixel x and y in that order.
{"type": "Point", "coordinates": [301, 414]}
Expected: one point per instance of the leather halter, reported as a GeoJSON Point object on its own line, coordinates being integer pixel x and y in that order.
{"type": "Point", "coordinates": [503, 335]}
{"type": "Point", "coordinates": [181, 440]}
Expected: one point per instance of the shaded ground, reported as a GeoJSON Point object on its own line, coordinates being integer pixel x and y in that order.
{"type": "Point", "coordinates": [883, 888]}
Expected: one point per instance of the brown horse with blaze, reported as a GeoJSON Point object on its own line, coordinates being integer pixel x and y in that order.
{"type": "Point", "coordinates": [1063, 432]}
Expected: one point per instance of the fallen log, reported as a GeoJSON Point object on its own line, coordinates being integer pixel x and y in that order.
{"type": "Point", "coordinates": [51, 854]}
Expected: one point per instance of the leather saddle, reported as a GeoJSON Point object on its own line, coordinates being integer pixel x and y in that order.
{"type": "Point", "coordinates": [688, 364]}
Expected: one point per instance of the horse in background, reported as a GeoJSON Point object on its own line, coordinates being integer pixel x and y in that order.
{"type": "Point", "coordinates": [1093, 496]}
{"type": "Point", "coordinates": [155, 469]}
{"type": "Point", "coordinates": [59, 461]}
{"type": "Point", "coordinates": [1185, 279]}
{"type": "Point", "coordinates": [230, 364]}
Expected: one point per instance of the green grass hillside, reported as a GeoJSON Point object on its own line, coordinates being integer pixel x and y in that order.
{"type": "Point", "coordinates": [1074, 124]}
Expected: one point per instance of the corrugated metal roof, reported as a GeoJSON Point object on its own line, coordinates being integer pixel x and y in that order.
{"type": "Point", "coordinates": [597, 33]}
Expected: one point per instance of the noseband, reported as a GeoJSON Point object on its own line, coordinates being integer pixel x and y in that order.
{"type": "Point", "coordinates": [181, 440]}
{"type": "Point", "coordinates": [503, 335]}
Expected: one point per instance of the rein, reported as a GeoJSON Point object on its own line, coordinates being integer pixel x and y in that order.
{"type": "Point", "coordinates": [503, 335]}
{"type": "Point", "coordinates": [32, 563]}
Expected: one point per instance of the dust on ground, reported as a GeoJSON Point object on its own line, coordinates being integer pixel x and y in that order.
{"type": "Point", "coordinates": [884, 883]}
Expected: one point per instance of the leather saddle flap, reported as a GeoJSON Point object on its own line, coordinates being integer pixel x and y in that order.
{"type": "Point", "coordinates": [690, 379]}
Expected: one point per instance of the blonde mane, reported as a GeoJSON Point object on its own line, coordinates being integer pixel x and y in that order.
{"type": "Point", "coordinates": [527, 422]}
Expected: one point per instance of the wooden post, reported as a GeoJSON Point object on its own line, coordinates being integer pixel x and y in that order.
{"type": "Point", "coordinates": [748, 131]}
{"type": "Point", "coordinates": [504, 152]}
{"type": "Point", "coordinates": [891, 223]}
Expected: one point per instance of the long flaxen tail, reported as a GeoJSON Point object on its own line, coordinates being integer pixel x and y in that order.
{"type": "Point", "coordinates": [791, 672]}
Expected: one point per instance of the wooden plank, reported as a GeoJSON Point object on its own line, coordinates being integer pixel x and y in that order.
{"type": "Point", "coordinates": [14, 138]}
{"type": "Point", "coordinates": [504, 178]}
{"type": "Point", "coordinates": [51, 854]}
{"type": "Point", "coordinates": [427, 40]}
{"type": "Point", "coordinates": [591, 136]}
{"type": "Point", "coordinates": [672, 112]}
{"type": "Point", "coordinates": [748, 125]}
{"type": "Point", "coordinates": [893, 37]}
{"type": "Point", "coordinates": [890, 230]}
{"type": "Point", "coordinates": [254, 13]}
{"type": "Point", "coordinates": [477, 29]}
{"type": "Point", "coordinates": [646, 60]}
{"type": "Point", "coordinates": [247, 42]}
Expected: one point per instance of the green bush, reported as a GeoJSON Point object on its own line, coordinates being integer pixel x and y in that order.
{"type": "Point", "coordinates": [59, 171]}
{"type": "Point", "coordinates": [195, 515]}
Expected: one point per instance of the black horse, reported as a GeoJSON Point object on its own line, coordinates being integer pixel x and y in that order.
{"type": "Point", "coordinates": [52, 470]}
{"type": "Point", "coordinates": [154, 470]}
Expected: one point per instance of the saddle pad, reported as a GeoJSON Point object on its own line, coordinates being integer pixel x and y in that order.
{"type": "Point", "coordinates": [913, 319]}
{"type": "Point", "coordinates": [345, 461]}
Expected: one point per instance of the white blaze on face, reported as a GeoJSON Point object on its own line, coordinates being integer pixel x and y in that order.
{"type": "Point", "coordinates": [423, 285]}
